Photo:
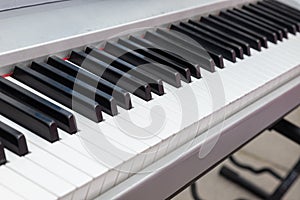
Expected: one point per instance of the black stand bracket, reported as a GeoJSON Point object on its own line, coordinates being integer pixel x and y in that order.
{"type": "Point", "coordinates": [290, 131]}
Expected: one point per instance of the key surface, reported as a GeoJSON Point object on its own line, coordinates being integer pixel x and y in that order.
{"type": "Point", "coordinates": [32, 119]}
{"type": "Point", "coordinates": [25, 187]}
{"type": "Point", "coordinates": [61, 169]}
{"type": "Point", "coordinates": [65, 120]}
{"type": "Point", "coordinates": [184, 71]}
{"type": "Point", "coordinates": [59, 92]}
{"type": "Point", "coordinates": [106, 101]}
{"type": "Point", "coordinates": [154, 82]}
{"type": "Point", "coordinates": [207, 43]}
{"type": "Point", "coordinates": [182, 40]}
{"type": "Point", "coordinates": [6, 193]}
{"type": "Point", "coordinates": [2, 154]}
{"type": "Point", "coordinates": [13, 140]}
{"type": "Point", "coordinates": [42, 177]}
{"type": "Point", "coordinates": [168, 75]}
{"type": "Point", "coordinates": [111, 74]}
{"type": "Point", "coordinates": [271, 36]}
{"type": "Point", "coordinates": [122, 96]}
{"type": "Point", "coordinates": [254, 42]}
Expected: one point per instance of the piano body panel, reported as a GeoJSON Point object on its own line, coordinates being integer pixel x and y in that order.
{"type": "Point", "coordinates": [59, 35]}
{"type": "Point", "coordinates": [185, 164]}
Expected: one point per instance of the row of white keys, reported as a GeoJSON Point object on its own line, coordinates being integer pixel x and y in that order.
{"type": "Point", "coordinates": [249, 82]}
{"type": "Point", "coordinates": [22, 186]}
{"type": "Point", "coordinates": [40, 176]}
{"type": "Point", "coordinates": [86, 147]}
{"type": "Point", "coordinates": [256, 77]}
{"type": "Point", "coordinates": [126, 144]}
{"type": "Point", "coordinates": [56, 155]}
{"type": "Point", "coordinates": [161, 120]}
{"type": "Point", "coordinates": [75, 156]}
{"type": "Point", "coordinates": [176, 113]}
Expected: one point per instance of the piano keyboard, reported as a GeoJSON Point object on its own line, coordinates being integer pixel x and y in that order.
{"type": "Point", "coordinates": [74, 128]}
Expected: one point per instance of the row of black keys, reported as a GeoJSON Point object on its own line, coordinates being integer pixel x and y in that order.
{"type": "Point", "coordinates": [233, 32]}
{"type": "Point", "coordinates": [124, 71]}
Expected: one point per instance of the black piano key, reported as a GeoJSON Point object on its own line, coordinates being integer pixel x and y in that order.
{"type": "Point", "coordinates": [111, 74]}
{"type": "Point", "coordinates": [121, 96]}
{"type": "Point", "coordinates": [176, 38]}
{"type": "Point", "coordinates": [264, 21]}
{"type": "Point", "coordinates": [271, 36]}
{"type": "Point", "coordinates": [154, 82]}
{"type": "Point", "coordinates": [227, 22]}
{"type": "Point", "coordinates": [64, 119]}
{"type": "Point", "coordinates": [241, 15]}
{"type": "Point", "coordinates": [280, 10]}
{"type": "Point", "coordinates": [59, 93]}
{"type": "Point", "coordinates": [13, 140]}
{"type": "Point", "coordinates": [244, 45]}
{"type": "Point", "coordinates": [251, 8]}
{"type": "Point", "coordinates": [2, 154]}
{"type": "Point", "coordinates": [207, 43]}
{"type": "Point", "coordinates": [202, 32]}
{"type": "Point", "coordinates": [254, 42]}
{"type": "Point", "coordinates": [168, 75]}
{"type": "Point", "coordinates": [184, 72]}
{"type": "Point", "coordinates": [278, 15]}
{"type": "Point", "coordinates": [29, 118]}
{"type": "Point", "coordinates": [158, 39]}
{"type": "Point", "coordinates": [284, 7]}
{"type": "Point", "coordinates": [106, 101]}
{"type": "Point", "coordinates": [194, 68]}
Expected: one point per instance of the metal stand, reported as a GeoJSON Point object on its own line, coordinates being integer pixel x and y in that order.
{"type": "Point", "coordinates": [194, 192]}
{"type": "Point", "coordinates": [292, 132]}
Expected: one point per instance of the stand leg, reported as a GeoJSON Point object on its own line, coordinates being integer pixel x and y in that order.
{"type": "Point", "coordinates": [194, 192]}
{"type": "Point", "coordinates": [290, 131]}
{"type": "Point", "coordinates": [242, 182]}
{"type": "Point", "coordinates": [286, 183]}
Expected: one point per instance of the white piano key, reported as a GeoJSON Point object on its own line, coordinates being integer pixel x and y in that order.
{"type": "Point", "coordinates": [42, 177]}
{"type": "Point", "coordinates": [9, 194]}
{"type": "Point", "coordinates": [23, 186]}
{"type": "Point", "coordinates": [90, 167]}
{"type": "Point", "coordinates": [65, 171]}
{"type": "Point", "coordinates": [136, 148]}
{"type": "Point", "coordinates": [78, 160]}
{"type": "Point", "coordinates": [10, 156]}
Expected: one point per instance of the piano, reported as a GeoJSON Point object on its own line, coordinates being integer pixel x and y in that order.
{"type": "Point", "coordinates": [136, 99]}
